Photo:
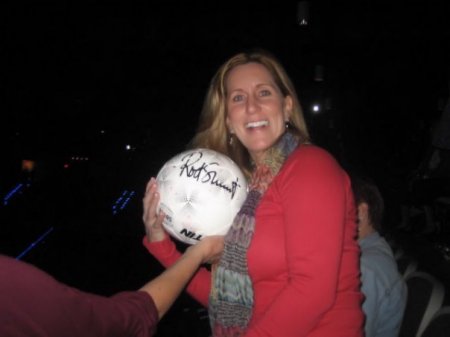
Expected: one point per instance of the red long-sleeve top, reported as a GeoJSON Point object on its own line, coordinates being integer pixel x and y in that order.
{"type": "Point", "coordinates": [34, 304]}
{"type": "Point", "coordinates": [303, 259]}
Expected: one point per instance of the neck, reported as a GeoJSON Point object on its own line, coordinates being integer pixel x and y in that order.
{"type": "Point", "coordinates": [285, 144]}
{"type": "Point", "coordinates": [365, 231]}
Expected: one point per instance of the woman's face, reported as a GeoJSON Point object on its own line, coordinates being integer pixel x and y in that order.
{"type": "Point", "coordinates": [256, 108]}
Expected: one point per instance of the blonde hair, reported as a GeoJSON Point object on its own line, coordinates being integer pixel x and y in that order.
{"type": "Point", "coordinates": [212, 131]}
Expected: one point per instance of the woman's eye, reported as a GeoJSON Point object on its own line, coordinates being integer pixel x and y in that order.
{"type": "Point", "coordinates": [264, 93]}
{"type": "Point", "coordinates": [237, 98]}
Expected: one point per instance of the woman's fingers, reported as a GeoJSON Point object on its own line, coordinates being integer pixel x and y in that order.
{"type": "Point", "coordinates": [152, 219]}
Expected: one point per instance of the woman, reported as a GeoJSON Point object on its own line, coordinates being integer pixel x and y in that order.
{"type": "Point", "coordinates": [290, 262]}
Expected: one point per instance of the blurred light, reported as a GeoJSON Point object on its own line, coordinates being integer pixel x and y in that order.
{"type": "Point", "coordinates": [34, 244]}
{"type": "Point", "coordinates": [66, 166]}
{"type": "Point", "coordinates": [28, 165]}
{"type": "Point", "coordinates": [128, 147]}
{"type": "Point", "coordinates": [79, 158]}
{"type": "Point", "coordinates": [316, 108]}
{"type": "Point", "coordinates": [11, 193]}
{"type": "Point", "coordinates": [303, 13]}
{"type": "Point", "coordinates": [319, 73]}
{"type": "Point", "coordinates": [122, 201]}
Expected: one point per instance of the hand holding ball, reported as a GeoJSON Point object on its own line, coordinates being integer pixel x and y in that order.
{"type": "Point", "coordinates": [201, 191]}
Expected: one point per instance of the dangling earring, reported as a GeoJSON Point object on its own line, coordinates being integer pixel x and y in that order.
{"type": "Point", "coordinates": [287, 124]}
{"type": "Point", "coordinates": [230, 139]}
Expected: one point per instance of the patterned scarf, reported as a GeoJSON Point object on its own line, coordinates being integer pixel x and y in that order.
{"type": "Point", "coordinates": [231, 297]}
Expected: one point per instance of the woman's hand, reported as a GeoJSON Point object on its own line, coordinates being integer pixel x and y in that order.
{"type": "Point", "coordinates": [152, 220]}
{"type": "Point", "coordinates": [210, 248]}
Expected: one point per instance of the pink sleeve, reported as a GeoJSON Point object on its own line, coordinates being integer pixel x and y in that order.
{"type": "Point", "coordinates": [311, 188]}
{"type": "Point", "coordinates": [166, 253]}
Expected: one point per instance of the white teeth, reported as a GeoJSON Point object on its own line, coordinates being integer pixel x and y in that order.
{"type": "Point", "coordinates": [257, 124]}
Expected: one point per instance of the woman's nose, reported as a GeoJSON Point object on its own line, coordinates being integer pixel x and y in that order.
{"type": "Point", "coordinates": [252, 105]}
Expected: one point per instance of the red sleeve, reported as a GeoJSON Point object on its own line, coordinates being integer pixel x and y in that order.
{"type": "Point", "coordinates": [167, 254]}
{"type": "Point", "coordinates": [33, 303]}
{"type": "Point", "coordinates": [311, 187]}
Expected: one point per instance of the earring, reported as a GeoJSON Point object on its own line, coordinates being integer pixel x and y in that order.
{"type": "Point", "coordinates": [287, 124]}
{"type": "Point", "coordinates": [230, 139]}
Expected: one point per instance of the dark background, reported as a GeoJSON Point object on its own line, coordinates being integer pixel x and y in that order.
{"type": "Point", "coordinates": [140, 70]}
{"type": "Point", "coordinates": [81, 81]}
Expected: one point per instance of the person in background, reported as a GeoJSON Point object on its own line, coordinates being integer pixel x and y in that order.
{"type": "Point", "coordinates": [384, 289]}
{"type": "Point", "coordinates": [290, 265]}
{"type": "Point", "coordinates": [32, 303]}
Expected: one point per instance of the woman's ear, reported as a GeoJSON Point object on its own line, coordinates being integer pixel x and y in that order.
{"type": "Point", "coordinates": [228, 124]}
{"type": "Point", "coordinates": [287, 109]}
{"type": "Point", "coordinates": [363, 212]}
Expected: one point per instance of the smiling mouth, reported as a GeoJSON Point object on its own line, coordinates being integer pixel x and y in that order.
{"type": "Point", "coordinates": [256, 124]}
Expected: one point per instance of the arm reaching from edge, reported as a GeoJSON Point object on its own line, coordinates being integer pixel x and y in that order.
{"type": "Point", "coordinates": [165, 288]}
{"type": "Point", "coordinates": [159, 244]}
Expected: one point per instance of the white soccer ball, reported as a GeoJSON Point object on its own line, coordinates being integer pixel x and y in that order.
{"type": "Point", "coordinates": [201, 191]}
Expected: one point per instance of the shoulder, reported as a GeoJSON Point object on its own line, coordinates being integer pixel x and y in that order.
{"type": "Point", "coordinates": [311, 154]}
{"type": "Point", "coordinates": [314, 171]}
{"type": "Point", "coordinates": [310, 150]}
{"type": "Point", "coordinates": [311, 159]}
{"type": "Point", "coordinates": [375, 245]}
{"type": "Point", "coordinates": [377, 265]}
